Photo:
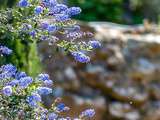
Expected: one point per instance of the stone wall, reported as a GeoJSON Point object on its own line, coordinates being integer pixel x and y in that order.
{"type": "Point", "coordinates": [122, 81]}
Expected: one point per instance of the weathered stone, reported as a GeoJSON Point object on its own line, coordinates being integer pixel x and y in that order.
{"type": "Point", "coordinates": [123, 111]}
{"type": "Point", "coordinates": [123, 77]}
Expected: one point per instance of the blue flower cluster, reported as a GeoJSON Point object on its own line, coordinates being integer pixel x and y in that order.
{"type": "Point", "coordinates": [23, 3]}
{"type": "Point", "coordinates": [80, 57]}
{"type": "Point", "coordinates": [45, 79]}
{"type": "Point", "coordinates": [16, 87]}
{"type": "Point", "coordinates": [44, 90]}
{"type": "Point", "coordinates": [61, 107]}
{"type": "Point", "coordinates": [89, 113]}
{"type": "Point", "coordinates": [38, 10]}
{"type": "Point", "coordinates": [95, 44]}
{"type": "Point", "coordinates": [21, 80]}
{"type": "Point", "coordinates": [7, 90]}
{"type": "Point", "coordinates": [61, 12]}
{"type": "Point", "coordinates": [19, 84]}
{"type": "Point", "coordinates": [59, 21]}
{"type": "Point", "coordinates": [5, 50]}
{"type": "Point", "coordinates": [52, 116]}
{"type": "Point", "coordinates": [34, 99]}
{"type": "Point", "coordinates": [24, 82]}
{"type": "Point", "coordinates": [7, 71]}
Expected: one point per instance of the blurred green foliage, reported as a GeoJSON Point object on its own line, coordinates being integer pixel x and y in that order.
{"type": "Point", "coordinates": [99, 9]}
{"type": "Point", "coordinates": [24, 57]}
{"type": "Point", "coordinates": [7, 3]}
{"type": "Point", "coordinates": [119, 11]}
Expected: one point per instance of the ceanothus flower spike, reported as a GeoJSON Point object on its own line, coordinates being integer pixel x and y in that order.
{"type": "Point", "coordinates": [80, 57]}
{"type": "Point", "coordinates": [52, 116]}
{"type": "Point", "coordinates": [95, 44]}
{"type": "Point", "coordinates": [23, 3]}
{"type": "Point", "coordinates": [88, 113]}
{"type": "Point", "coordinates": [5, 50]}
{"type": "Point", "coordinates": [73, 11]}
{"type": "Point", "coordinates": [34, 99]}
{"type": "Point", "coordinates": [7, 90]}
{"type": "Point", "coordinates": [38, 10]}
{"type": "Point", "coordinates": [44, 90]}
{"type": "Point", "coordinates": [25, 82]}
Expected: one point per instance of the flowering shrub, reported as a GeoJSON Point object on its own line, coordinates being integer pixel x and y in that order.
{"type": "Point", "coordinates": [20, 97]}
{"type": "Point", "coordinates": [35, 21]}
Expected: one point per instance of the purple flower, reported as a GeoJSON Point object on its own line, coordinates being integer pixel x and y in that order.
{"type": "Point", "coordinates": [61, 107]}
{"type": "Point", "coordinates": [75, 35]}
{"type": "Point", "coordinates": [44, 25]}
{"type": "Point", "coordinates": [52, 3]}
{"type": "Point", "coordinates": [49, 3]}
{"type": "Point", "coordinates": [73, 11]}
{"type": "Point", "coordinates": [5, 50]}
{"type": "Point", "coordinates": [80, 57]}
{"type": "Point", "coordinates": [25, 82]}
{"type": "Point", "coordinates": [44, 38]}
{"type": "Point", "coordinates": [58, 9]}
{"type": "Point", "coordinates": [95, 44]}
{"type": "Point", "coordinates": [62, 17]}
{"type": "Point", "coordinates": [20, 75]}
{"type": "Point", "coordinates": [26, 27]}
{"type": "Point", "coordinates": [13, 83]}
{"type": "Point", "coordinates": [4, 76]}
{"type": "Point", "coordinates": [8, 68]}
{"type": "Point", "coordinates": [23, 3]}
{"type": "Point", "coordinates": [32, 33]}
{"type": "Point", "coordinates": [38, 10]}
{"type": "Point", "coordinates": [7, 71]}
{"type": "Point", "coordinates": [52, 116]}
{"type": "Point", "coordinates": [7, 90]}
{"type": "Point", "coordinates": [48, 82]}
{"type": "Point", "coordinates": [33, 99]}
{"type": "Point", "coordinates": [43, 77]}
{"type": "Point", "coordinates": [88, 113]}
{"type": "Point", "coordinates": [43, 116]}
{"type": "Point", "coordinates": [44, 90]}
{"type": "Point", "coordinates": [52, 28]}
